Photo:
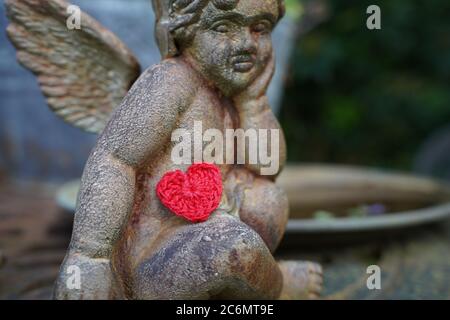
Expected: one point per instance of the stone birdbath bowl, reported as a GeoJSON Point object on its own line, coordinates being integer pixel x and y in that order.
{"type": "Point", "coordinates": [330, 203]}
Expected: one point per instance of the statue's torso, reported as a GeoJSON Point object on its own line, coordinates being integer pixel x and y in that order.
{"type": "Point", "coordinates": [151, 223]}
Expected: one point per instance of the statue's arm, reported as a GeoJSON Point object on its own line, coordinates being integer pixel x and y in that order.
{"type": "Point", "coordinates": [138, 130]}
{"type": "Point", "coordinates": [256, 114]}
{"type": "Point", "coordinates": [263, 204]}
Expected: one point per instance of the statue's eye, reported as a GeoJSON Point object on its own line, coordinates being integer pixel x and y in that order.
{"type": "Point", "coordinates": [221, 27]}
{"type": "Point", "coordinates": [261, 27]}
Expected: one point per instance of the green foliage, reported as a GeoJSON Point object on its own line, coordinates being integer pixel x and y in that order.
{"type": "Point", "coordinates": [294, 8]}
{"type": "Point", "coordinates": [369, 97]}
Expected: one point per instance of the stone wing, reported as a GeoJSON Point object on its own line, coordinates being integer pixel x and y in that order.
{"type": "Point", "coordinates": [84, 73]}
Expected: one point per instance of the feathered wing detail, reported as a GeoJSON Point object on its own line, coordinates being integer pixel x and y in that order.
{"type": "Point", "coordinates": [84, 73]}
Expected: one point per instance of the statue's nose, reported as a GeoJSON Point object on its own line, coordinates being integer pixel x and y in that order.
{"type": "Point", "coordinates": [247, 42]}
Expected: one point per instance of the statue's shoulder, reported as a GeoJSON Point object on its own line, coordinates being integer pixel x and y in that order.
{"type": "Point", "coordinates": [170, 74]}
{"type": "Point", "coordinates": [168, 86]}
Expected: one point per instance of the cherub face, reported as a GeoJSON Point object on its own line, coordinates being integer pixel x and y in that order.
{"type": "Point", "coordinates": [232, 48]}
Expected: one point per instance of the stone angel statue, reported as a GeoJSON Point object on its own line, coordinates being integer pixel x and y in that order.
{"type": "Point", "coordinates": [217, 62]}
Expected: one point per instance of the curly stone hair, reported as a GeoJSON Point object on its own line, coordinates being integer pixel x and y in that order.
{"type": "Point", "coordinates": [175, 15]}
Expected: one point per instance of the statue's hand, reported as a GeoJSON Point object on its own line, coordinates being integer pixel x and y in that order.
{"type": "Point", "coordinates": [84, 278]}
{"type": "Point", "coordinates": [259, 87]}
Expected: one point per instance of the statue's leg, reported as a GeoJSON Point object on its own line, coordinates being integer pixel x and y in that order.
{"type": "Point", "coordinates": [301, 280]}
{"type": "Point", "coordinates": [265, 209]}
{"type": "Point", "coordinates": [260, 203]}
{"type": "Point", "coordinates": [220, 258]}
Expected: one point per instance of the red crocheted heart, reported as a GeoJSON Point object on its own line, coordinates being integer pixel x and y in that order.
{"type": "Point", "coordinates": [193, 195]}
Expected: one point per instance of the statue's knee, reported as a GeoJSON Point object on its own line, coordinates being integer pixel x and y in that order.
{"type": "Point", "coordinates": [247, 265]}
{"type": "Point", "coordinates": [203, 258]}
{"type": "Point", "coordinates": [240, 251]}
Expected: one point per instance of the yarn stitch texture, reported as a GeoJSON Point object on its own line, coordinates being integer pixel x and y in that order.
{"type": "Point", "coordinates": [193, 195]}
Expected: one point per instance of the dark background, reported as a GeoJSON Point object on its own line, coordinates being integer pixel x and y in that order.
{"type": "Point", "coordinates": [377, 98]}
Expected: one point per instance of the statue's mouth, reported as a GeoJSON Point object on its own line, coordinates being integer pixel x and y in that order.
{"type": "Point", "coordinates": [243, 63]}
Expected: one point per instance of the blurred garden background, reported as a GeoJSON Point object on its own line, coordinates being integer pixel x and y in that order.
{"type": "Point", "coordinates": [372, 97]}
